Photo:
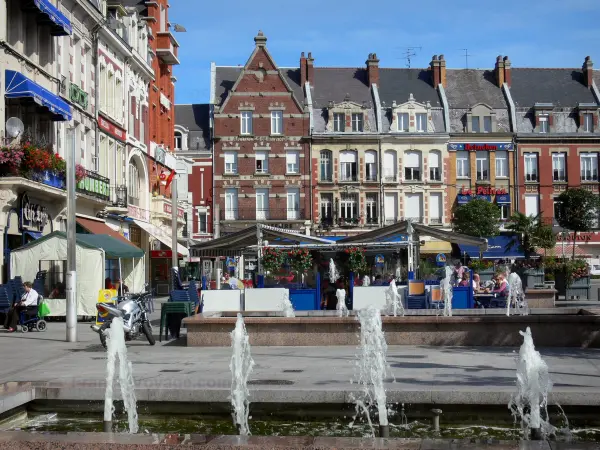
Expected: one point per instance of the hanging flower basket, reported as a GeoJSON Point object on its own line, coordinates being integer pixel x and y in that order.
{"type": "Point", "coordinates": [272, 259]}
{"type": "Point", "coordinates": [301, 261]}
{"type": "Point", "coordinates": [357, 262]}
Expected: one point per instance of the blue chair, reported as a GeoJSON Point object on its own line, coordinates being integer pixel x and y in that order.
{"type": "Point", "coordinates": [193, 293]}
{"type": "Point", "coordinates": [17, 288]}
{"type": "Point", "coordinates": [5, 302]}
{"type": "Point", "coordinates": [176, 283]}
{"type": "Point", "coordinates": [417, 297]}
{"type": "Point", "coordinates": [179, 295]}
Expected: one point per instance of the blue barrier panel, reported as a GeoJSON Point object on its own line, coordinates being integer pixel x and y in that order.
{"type": "Point", "coordinates": [462, 297]}
{"type": "Point", "coordinates": [304, 299]}
{"type": "Point", "coordinates": [260, 281]}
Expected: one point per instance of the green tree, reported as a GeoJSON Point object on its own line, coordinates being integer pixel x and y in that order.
{"type": "Point", "coordinates": [477, 218]}
{"type": "Point", "coordinates": [544, 237]}
{"type": "Point", "coordinates": [524, 228]}
{"type": "Point", "coordinates": [577, 211]}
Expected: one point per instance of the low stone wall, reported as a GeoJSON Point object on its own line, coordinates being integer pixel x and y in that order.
{"type": "Point", "coordinates": [540, 298]}
{"type": "Point", "coordinates": [554, 330]}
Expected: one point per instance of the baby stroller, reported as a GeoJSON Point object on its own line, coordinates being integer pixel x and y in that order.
{"type": "Point", "coordinates": [30, 320]}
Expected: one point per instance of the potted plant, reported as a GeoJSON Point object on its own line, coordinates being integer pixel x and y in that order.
{"type": "Point", "coordinates": [356, 262]}
{"type": "Point", "coordinates": [572, 278]}
{"type": "Point", "coordinates": [272, 260]}
{"type": "Point", "coordinates": [300, 260]}
{"type": "Point", "coordinates": [10, 160]}
{"type": "Point", "coordinates": [484, 267]}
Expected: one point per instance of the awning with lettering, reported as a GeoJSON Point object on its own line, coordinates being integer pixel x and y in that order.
{"type": "Point", "coordinates": [58, 22]}
{"type": "Point", "coordinates": [503, 199]}
{"type": "Point", "coordinates": [161, 235]}
{"type": "Point", "coordinates": [462, 199]}
{"type": "Point", "coordinates": [499, 247]}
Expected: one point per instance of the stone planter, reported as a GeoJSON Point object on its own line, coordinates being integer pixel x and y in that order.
{"type": "Point", "coordinates": [578, 290]}
{"type": "Point", "coordinates": [531, 277]}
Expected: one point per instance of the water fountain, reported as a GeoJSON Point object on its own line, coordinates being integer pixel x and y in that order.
{"type": "Point", "coordinates": [446, 287]}
{"type": "Point", "coordinates": [516, 295]}
{"type": "Point", "coordinates": [341, 307]}
{"type": "Point", "coordinates": [241, 367]}
{"type": "Point", "coordinates": [115, 347]}
{"type": "Point", "coordinates": [393, 301]}
{"type": "Point", "coordinates": [372, 369]}
{"type": "Point", "coordinates": [366, 281]}
{"type": "Point", "coordinates": [286, 304]}
{"type": "Point", "coordinates": [333, 273]}
{"type": "Point", "coordinates": [530, 402]}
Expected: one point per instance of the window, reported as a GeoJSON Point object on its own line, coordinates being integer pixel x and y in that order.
{"type": "Point", "coordinates": [326, 166]}
{"type": "Point", "coordinates": [262, 162]}
{"type": "Point", "coordinates": [339, 122]}
{"type": "Point", "coordinates": [559, 172]}
{"type": "Point", "coordinates": [231, 162]}
{"type": "Point", "coordinates": [487, 124]}
{"type": "Point", "coordinates": [292, 160]}
{"type": "Point", "coordinates": [293, 204]}
{"type": "Point", "coordinates": [482, 164]}
{"type": "Point", "coordinates": [557, 206]}
{"type": "Point", "coordinates": [531, 167]}
{"type": "Point", "coordinates": [435, 209]}
{"type": "Point", "coordinates": [178, 140]}
{"type": "Point", "coordinates": [231, 202]}
{"type": "Point", "coordinates": [276, 122]}
{"type": "Point", "coordinates": [390, 205]}
{"type": "Point", "coordinates": [435, 173]}
{"type": "Point", "coordinates": [413, 207]}
{"type": "Point", "coordinates": [357, 122]}
{"type": "Point", "coordinates": [262, 204]}
{"type": "Point", "coordinates": [501, 164]}
{"type": "Point", "coordinates": [348, 169]}
{"type": "Point", "coordinates": [133, 190]}
{"type": "Point", "coordinates": [589, 166]}
{"type": "Point", "coordinates": [246, 123]}
{"type": "Point", "coordinates": [403, 122]}
{"type": "Point", "coordinates": [412, 166]}
{"type": "Point", "coordinates": [504, 211]}
{"type": "Point", "coordinates": [475, 124]}
{"type": "Point", "coordinates": [463, 168]}
{"type": "Point", "coordinates": [588, 122]}
{"type": "Point", "coordinates": [202, 222]}
{"type": "Point", "coordinates": [349, 207]}
{"type": "Point", "coordinates": [543, 123]}
{"type": "Point", "coordinates": [532, 205]}
{"type": "Point", "coordinates": [371, 166]}
{"type": "Point", "coordinates": [327, 209]}
{"type": "Point", "coordinates": [390, 162]}
{"type": "Point", "coordinates": [371, 208]}
{"type": "Point", "coordinates": [421, 122]}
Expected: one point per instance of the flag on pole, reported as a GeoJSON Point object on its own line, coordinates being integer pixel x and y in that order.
{"type": "Point", "coordinates": [170, 179]}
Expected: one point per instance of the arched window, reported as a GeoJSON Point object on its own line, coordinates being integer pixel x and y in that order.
{"type": "Point", "coordinates": [178, 140]}
{"type": "Point", "coordinates": [371, 166]}
{"type": "Point", "coordinates": [326, 165]}
{"type": "Point", "coordinates": [435, 165]}
{"type": "Point", "coordinates": [133, 190]}
{"type": "Point", "coordinates": [412, 166]}
{"type": "Point", "coordinates": [390, 166]}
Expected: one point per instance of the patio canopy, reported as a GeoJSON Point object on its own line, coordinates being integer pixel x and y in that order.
{"type": "Point", "coordinates": [234, 244]}
{"type": "Point", "coordinates": [499, 247]}
{"type": "Point", "coordinates": [399, 232]}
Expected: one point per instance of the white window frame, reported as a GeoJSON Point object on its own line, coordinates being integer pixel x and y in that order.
{"type": "Point", "coordinates": [559, 167]}
{"type": "Point", "coordinates": [358, 125]}
{"type": "Point", "coordinates": [339, 122]}
{"type": "Point", "coordinates": [261, 167]}
{"type": "Point", "coordinates": [544, 123]}
{"type": "Point", "coordinates": [231, 197]}
{"type": "Point", "coordinates": [203, 221]}
{"type": "Point", "coordinates": [588, 122]}
{"type": "Point", "coordinates": [421, 122]}
{"type": "Point", "coordinates": [246, 122]}
{"type": "Point", "coordinates": [413, 173]}
{"type": "Point", "coordinates": [231, 167]}
{"type": "Point", "coordinates": [371, 168]}
{"type": "Point", "coordinates": [482, 165]}
{"type": "Point", "coordinates": [262, 204]}
{"type": "Point", "coordinates": [326, 162]}
{"type": "Point", "coordinates": [432, 218]}
{"type": "Point", "coordinates": [371, 203]}
{"type": "Point", "coordinates": [463, 164]}
{"type": "Point", "coordinates": [390, 173]}
{"type": "Point", "coordinates": [438, 171]}
{"type": "Point", "coordinates": [326, 205]}
{"type": "Point", "coordinates": [504, 211]}
{"type": "Point", "coordinates": [178, 140]}
{"type": "Point", "coordinates": [293, 210]}
{"type": "Point", "coordinates": [537, 197]}
{"type": "Point", "coordinates": [403, 119]}
{"type": "Point", "coordinates": [349, 170]}
{"type": "Point", "coordinates": [475, 120]}
{"type": "Point", "coordinates": [349, 206]}
{"type": "Point", "coordinates": [276, 122]}
{"type": "Point", "coordinates": [588, 166]}
{"type": "Point", "coordinates": [501, 163]}
{"type": "Point", "coordinates": [292, 167]}
{"type": "Point", "coordinates": [531, 167]}
{"type": "Point", "coordinates": [487, 120]}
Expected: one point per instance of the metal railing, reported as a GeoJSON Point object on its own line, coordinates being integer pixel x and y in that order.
{"type": "Point", "coordinates": [118, 196]}
{"type": "Point", "coordinates": [390, 221]}
{"type": "Point", "coordinates": [262, 214]}
{"type": "Point", "coordinates": [94, 185]}
{"type": "Point", "coordinates": [348, 178]}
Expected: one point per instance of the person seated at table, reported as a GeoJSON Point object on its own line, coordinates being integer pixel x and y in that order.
{"type": "Point", "coordinates": [501, 288]}
{"type": "Point", "coordinates": [476, 283]}
{"type": "Point", "coordinates": [464, 282]}
{"type": "Point", "coordinates": [458, 273]}
{"type": "Point", "coordinates": [28, 303]}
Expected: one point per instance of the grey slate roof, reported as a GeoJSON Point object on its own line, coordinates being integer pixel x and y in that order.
{"type": "Point", "coordinates": [467, 87]}
{"type": "Point", "coordinates": [398, 84]}
{"type": "Point", "coordinates": [195, 118]}
{"type": "Point", "coordinates": [562, 87]}
{"type": "Point", "coordinates": [334, 83]}
{"type": "Point", "coordinates": [226, 77]}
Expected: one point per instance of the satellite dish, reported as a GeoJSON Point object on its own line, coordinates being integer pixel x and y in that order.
{"type": "Point", "coordinates": [14, 127]}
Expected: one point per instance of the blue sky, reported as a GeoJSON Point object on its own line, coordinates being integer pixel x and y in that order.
{"type": "Point", "coordinates": [533, 33]}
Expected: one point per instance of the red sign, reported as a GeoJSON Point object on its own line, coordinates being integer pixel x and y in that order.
{"type": "Point", "coordinates": [476, 147]}
{"type": "Point", "coordinates": [167, 208]}
{"type": "Point", "coordinates": [112, 129]}
{"type": "Point", "coordinates": [161, 253]}
{"type": "Point", "coordinates": [484, 191]}
{"type": "Point", "coordinates": [584, 237]}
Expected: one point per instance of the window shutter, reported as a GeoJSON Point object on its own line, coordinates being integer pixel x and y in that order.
{"type": "Point", "coordinates": [435, 206]}
{"type": "Point", "coordinates": [260, 156]}
{"type": "Point", "coordinates": [146, 125]}
{"type": "Point", "coordinates": [348, 157]}
{"type": "Point", "coordinates": [229, 158]}
{"type": "Point", "coordinates": [412, 159]}
{"type": "Point", "coordinates": [370, 158]}
{"type": "Point", "coordinates": [434, 159]}
{"type": "Point", "coordinates": [136, 118]}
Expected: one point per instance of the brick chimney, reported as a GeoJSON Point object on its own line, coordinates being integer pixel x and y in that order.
{"type": "Point", "coordinates": [372, 69]}
{"type": "Point", "coordinates": [499, 70]}
{"type": "Point", "coordinates": [434, 66]}
{"type": "Point", "coordinates": [310, 69]}
{"type": "Point", "coordinates": [260, 39]}
{"type": "Point", "coordinates": [302, 69]}
{"type": "Point", "coordinates": [507, 74]}
{"type": "Point", "coordinates": [588, 71]}
{"type": "Point", "coordinates": [442, 61]}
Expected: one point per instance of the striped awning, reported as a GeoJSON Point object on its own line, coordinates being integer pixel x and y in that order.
{"type": "Point", "coordinates": [582, 251]}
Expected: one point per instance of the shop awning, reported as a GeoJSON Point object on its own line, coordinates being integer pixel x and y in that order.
{"type": "Point", "coordinates": [113, 248]}
{"type": "Point", "coordinates": [19, 86]}
{"type": "Point", "coordinates": [499, 247]}
{"type": "Point", "coordinates": [161, 235]}
{"type": "Point", "coordinates": [99, 227]}
{"type": "Point", "coordinates": [462, 199]}
{"type": "Point", "coordinates": [59, 24]}
{"type": "Point", "coordinates": [503, 199]}
{"type": "Point", "coordinates": [436, 247]}
{"type": "Point", "coordinates": [581, 250]}
{"type": "Point", "coordinates": [33, 234]}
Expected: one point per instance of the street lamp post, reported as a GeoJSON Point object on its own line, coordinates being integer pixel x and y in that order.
{"type": "Point", "coordinates": [71, 279]}
{"type": "Point", "coordinates": [174, 253]}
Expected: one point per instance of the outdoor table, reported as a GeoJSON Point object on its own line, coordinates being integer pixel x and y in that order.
{"type": "Point", "coordinates": [484, 299]}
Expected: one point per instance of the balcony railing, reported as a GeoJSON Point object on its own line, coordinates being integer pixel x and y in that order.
{"type": "Point", "coordinates": [348, 178]}
{"type": "Point", "coordinates": [166, 48]}
{"type": "Point", "coordinates": [391, 221]}
{"type": "Point", "coordinates": [95, 185]}
{"type": "Point", "coordinates": [262, 214]}
{"type": "Point", "coordinates": [390, 178]}
{"type": "Point", "coordinates": [435, 221]}
{"type": "Point", "coordinates": [118, 196]}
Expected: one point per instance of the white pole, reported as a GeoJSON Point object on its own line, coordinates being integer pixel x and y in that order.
{"type": "Point", "coordinates": [71, 287]}
{"type": "Point", "coordinates": [120, 277]}
{"type": "Point", "coordinates": [174, 222]}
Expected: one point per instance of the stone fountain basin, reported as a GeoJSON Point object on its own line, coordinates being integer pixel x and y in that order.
{"type": "Point", "coordinates": [552, 327]}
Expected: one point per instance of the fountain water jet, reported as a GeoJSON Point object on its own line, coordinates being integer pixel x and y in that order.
{"type": "Point", "coordinates": [393, 300]}
{"type": "Point", "coordinates": [341, 307]}
{"type": "Point", "coordinates": [516, 294]}
{"type": "Point", "coordinates": [333, 273]}
{"type": "Point", "coordinates": [366, 281]}
{"type": "Point", "coordinates": [446, 287]}
{"type": "Point", "coordinates": [530, 402]}
{"type": "Point", "coordinates": [286, 305]}
{"type": "Point", "coordinates": [372, 369]}
{"type": "Point", "coordinates": [241, 367]}
{"type": "Point", "coordinates": [115, 346]}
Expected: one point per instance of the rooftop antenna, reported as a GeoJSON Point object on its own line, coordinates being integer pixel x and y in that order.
{"type": "Point", "coordinates": [409, 53]}
{"type": "Point", "coordinates": [466, 57]}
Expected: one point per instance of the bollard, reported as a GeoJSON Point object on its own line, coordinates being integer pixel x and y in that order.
{"type": "Point", "coordinates": [384, 431]}
{"type": "Point", "coordinates": [436, 419]}
{"type": "Point", "coordinates": [107, 426]}
{"type": "Point", "coordinates": [536, 434]}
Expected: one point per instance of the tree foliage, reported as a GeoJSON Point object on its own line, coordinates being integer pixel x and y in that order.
{"type": "Point", "coordinates": [544, 237]}
{"type": "Point", "coordinates": [578, 209]}
{"type": "Point", "coordinates": [478, 218]}
{"type": "Point", "coordinates": [531, 233]}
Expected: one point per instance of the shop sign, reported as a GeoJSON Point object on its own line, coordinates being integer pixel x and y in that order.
{"type": "Point", "coordinates": [479, 147]}
{"type": "Point", "coordinates": [161, 253]}
{"type": "Point", "coordinates": [159, 154]}
{"type": "Point", "coordinates": [379, 260]}
{"type": "Point", "coordinates": [112, 129]}
{"type": "Point", "coordinates": [481, 190]}
{"type": "Point", "coordinates": [231, 263]}
{"type": "Point", "coordinates": [138, 213]}
{"type": "Point", "coordinates": [581, 237]}
{"type": "Point", "coordinates": [95, 185]}
{"type": "Point", "coordinates": [440, 259]}
{"type": "Point", "coordinates": [32, 214]}
{"type": "Point", "coordinates": [167, 208]}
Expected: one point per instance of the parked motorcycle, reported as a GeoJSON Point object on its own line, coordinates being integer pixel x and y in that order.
{"type": "Point", "coordinates": [134, 313]}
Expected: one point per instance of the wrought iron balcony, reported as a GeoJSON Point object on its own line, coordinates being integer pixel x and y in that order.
{"type": "Point", "coordinates": [254, 214]}
{"type": "Point", "coordinates": [95, 185]}
{"type": "Point", "coordinates": [119, 196]}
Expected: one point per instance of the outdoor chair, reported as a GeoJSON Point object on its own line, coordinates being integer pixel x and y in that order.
{"type": "Point", "coordinates": [180, 295]}
{"type": "Point", "coordinates": [17, 288]}
{"type": "Point", "coordinates": [417, 297]}
{"type": "Point", "coordinates": [436, 298]}
{"type": "Point", "coordinates": [171, 314]}
{"type": "Point", "coordinates": [176, 283]}
{"type": "Point", "coordinates": [5, 302]}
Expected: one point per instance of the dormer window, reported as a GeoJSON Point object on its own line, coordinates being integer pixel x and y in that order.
{"type": "Point", "coordinates": [357, 122]}
{"type": "Point", "coordinates": [543, 117]}
{"type": "Point", "coordinates": [543, 123]}
{"type": "Point", "coordinates": [475, 124]}
{"type": "Point", "coordinates": [481, 119]}
{"type": "Point", "coordinates": [487, 124]}
{"type": "Point", "coordinates": [421, 122]}
{"type": "Point", "coordinates": [588, 122]}
{"type": "Point", "coordinates": [403, 122]}
{"type": "Point", "coordinates": [339, 122]}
